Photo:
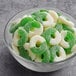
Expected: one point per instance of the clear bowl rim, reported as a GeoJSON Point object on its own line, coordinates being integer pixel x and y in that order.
{"type": "Point", "coordinates": [5, 39]}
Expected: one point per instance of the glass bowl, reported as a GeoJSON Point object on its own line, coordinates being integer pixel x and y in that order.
{"type": "Point", "coordinates": [35, 66]}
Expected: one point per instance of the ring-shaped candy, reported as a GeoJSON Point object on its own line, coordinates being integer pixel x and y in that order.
{"type": "Point", "coordinates": [31, 54]}
{"type": "Point", "coordinates": [35, 57]}
{"type": "Point", "coordinates": [64, 43]}
{"type": "Point", "coordinates": [54, 15]}
{"type": "Point", "coordinates": [49, 21]}
{"type": "Point", "coordinates": [57, 52]}
{"type": "Point", "coordinates": [23, 52]}
{"type": "Point", "coordinates": [37, 44]}
{"type": "Point", "coordinates": [56, 40]}
{"type": "Point", "coordinates": [20, 23]}
{"type": "Point", "coordinates": [49, 34]}
{"type": "Point", "coordinates": [46, 56]}
{"type": "Point", "coordinates": [20, 37]}
{"type": "Point", "coordinates": [62, 55]}
{"type": "Point", "coordinates": [70, 38]}
{"type": "Point", "coordinates": [34, 28]}
{"type": "Point", "coordinates": [63, 20]}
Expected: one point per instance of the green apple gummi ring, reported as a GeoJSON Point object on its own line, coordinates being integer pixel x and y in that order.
{"type": "Point", "coordinates": [46, 56]}
{"type": "Point", "coordinates": [70, 38]}
{"type": "Point", "coordinates": [31, 25]}
{"type": "Point", "coordinates": [20, 37]}
{"type": "Point", "coordinates": [67, 41]}
{"type": "Point", "coordinates": [49, 21]}
{"type": "Point", "coordinates": [22, 22]}
{"type": "Point", "coordinates": [25, 20]}
{"type": "Point", "coordinates": [34, 28]}
{"type": "Point", "coordinates": [52, 36]}
{"type": "Point", "coordinates": [23, 52]}
{"type": "Point", "coordinates": [62, 55]}
{"type": "Point", "coordinates": [37, 44]}
{"type": "Point", "coordinates": [31, 54]}
{"type": "Point", "coordinates": [39, 16]}
{"type": "Point", "coordinates": [57, 53]}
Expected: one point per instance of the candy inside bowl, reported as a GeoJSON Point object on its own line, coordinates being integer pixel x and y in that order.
{"type": "Point", "coordinates": [41, 39]}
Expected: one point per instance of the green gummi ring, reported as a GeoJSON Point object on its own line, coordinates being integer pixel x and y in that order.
{"type": "Point", "coordinates": [23, 52]}
{"type": "Point", "coordinates": [38, 45]}
{"type": "Point", "coordinates": [39, 16]}
{"type": "Point", "coordinates": [70, 38]}
{"type": "Point", "coordinates": [14, 26]}
{"type": "Point", "coordinates": [39, 50]}
{"type": "Point", "coordinates": [31, 25]}
{"type": "Point", "coordinates": [21, 36]}
{"type": "Point", "coordinates": [34, 28]}
{"type": "Point", "coordinates": [46, 56]}
{"type": "Point", "coordinates": [52, 36]}
{"type": "Point", "coordinates": [25, 20]}
{"type": "Point", "coordinates": [47, 34]}
{"type": "Point", "coordinates": [53, 52]}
